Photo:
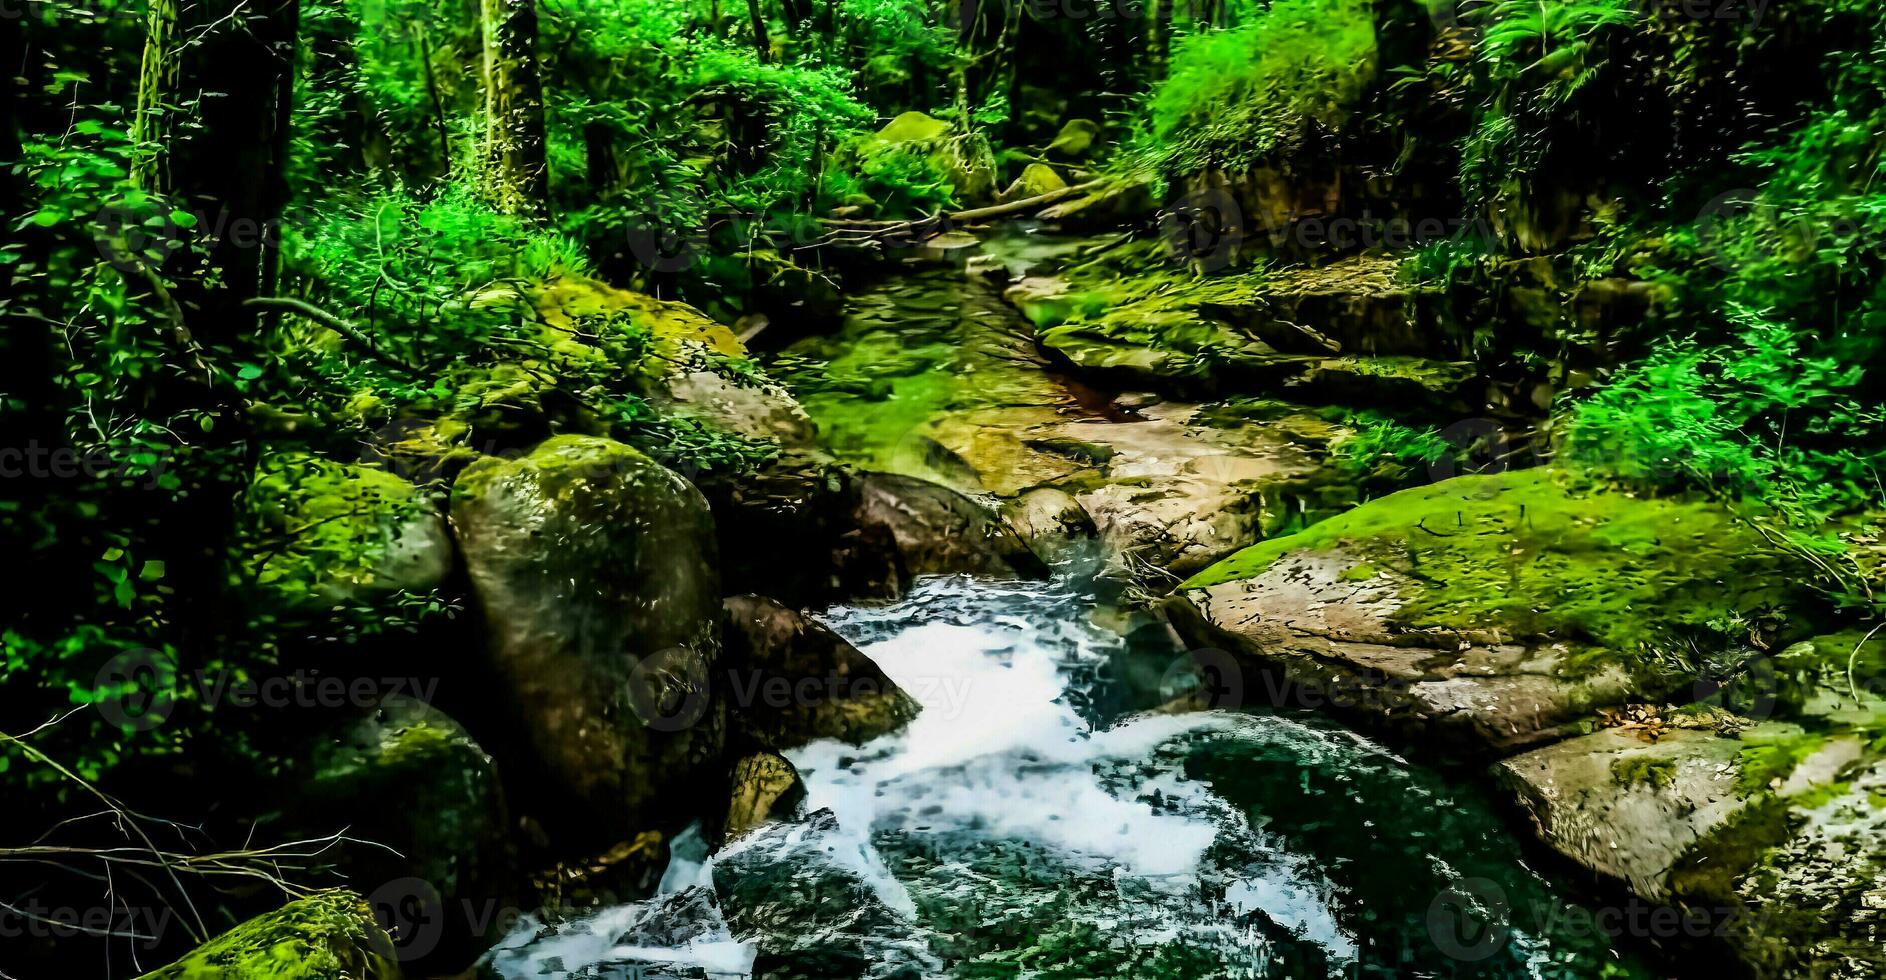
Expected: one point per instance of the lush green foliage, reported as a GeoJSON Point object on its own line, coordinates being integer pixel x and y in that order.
{"type": "Point", "coordinates": [1234, 96]}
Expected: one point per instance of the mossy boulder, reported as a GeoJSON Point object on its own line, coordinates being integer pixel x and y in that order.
{"type": "Point", "coordinates": [1036, 179]}
{"type": "Point", "coordinates": [1772, 837]}
{"type": "Point", "coordinates": [791, 680]}
{"type": "Point", "coordinates": [321, 534]}
{"type": "Point", "coordinates": [425, 813]}
{"type": "Point", "coordinates": [687, 362]}
{"type": "Point", "coordinates": [594, 569]}
{"type": "Point", "coordinates": [1814, 903]}
{"type": "Point", "coordinates": [1627, 803]}
{"type": "Point", "coordinates": [963, 160]}
{"type": "Point", "coordinates": [1075, 139]}
{"type": "Point", "coordinates": [330, 935]}
{"type": "Point", "coordinates": [1496, 610]}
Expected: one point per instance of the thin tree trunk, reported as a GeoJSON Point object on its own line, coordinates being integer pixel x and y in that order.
{"type": "Point", "coordinates": [514, 166]}
{"type": "Point", "coordinates": [1160, 44]}
{"type": "Point", "coordinates": [157, 83]}
{"type": "Point", "coordinates": [761, 42]}
{"type": "Point", "coordinates": [438, 103]}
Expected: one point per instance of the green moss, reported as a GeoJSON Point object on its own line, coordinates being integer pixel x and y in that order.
{"type": "Point", "coordinates": [419, 742]}
{"type": "Point", "coordinates": [1232, 96]}
{"type": "Point", "coordinates": [329, 935]}
{"type": "Point", "coordinates": [1543, 553]}
{"type": "Point", "coordinates": [1643, 770]}
{"type": "Point", "coordinates": [1706, 873]}
{"type": "Point", "coordinates": [318, 528]}
{"type": "Point", "coordinates": [1361, 571]}
{"type": "Point", "coordinates": [1767, 762]}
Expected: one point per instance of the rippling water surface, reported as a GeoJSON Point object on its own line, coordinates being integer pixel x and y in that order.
{"type": "Point", "coordinates": [1039, 820]}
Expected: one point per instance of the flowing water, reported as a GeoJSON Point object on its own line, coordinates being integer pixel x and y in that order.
{"type": "Point", "coordinates": [1037, 821]}
{"type": "Point", "coordinates": [1041, 817]}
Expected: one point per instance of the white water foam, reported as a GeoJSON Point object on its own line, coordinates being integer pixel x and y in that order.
{"type": "Point", "coordinates": [999, 752]}
{"type": "Point", "coordinates": [998, 749]}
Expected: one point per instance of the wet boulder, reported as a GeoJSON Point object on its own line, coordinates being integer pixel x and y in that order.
{"type": "Point", "coordinates": [1051, 521]}
{"type": "Point", "coordinates": [594, 570]}
{"type": "Point", "coordinates": [329, 935]}
{"type": "Point", "coordinates": [933, 530]}
{"type": "Point", "coordinates": [790, 680]}
{"type": "Point", "coordinates": [804, 895]}
{"type": "Point", "coordinates": [764, 787]}
{"type": "Point", "coordinates": [851, 534]}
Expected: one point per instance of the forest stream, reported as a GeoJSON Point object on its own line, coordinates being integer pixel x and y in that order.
{"type": "Point", "coordinates": [1043, 814]}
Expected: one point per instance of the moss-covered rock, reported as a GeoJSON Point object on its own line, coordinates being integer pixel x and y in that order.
{"type": "Point", "coordinates": [330, 935]}
{"type": "Point", "coordinates": [963, 160]}
{"type": "Point", "coordinates": [1035, 180]}
{"type": "Point", "coordinates": [688, 363]}
{"type": "Point", "coordinates": [1075, 139]}
{"type": "Point", "coordinates": [594, 568]}
{"type": "Point", "coordinates": [1627, 803]}
{"type": "Point", "coordinates": [323, 534]}
{"type": "Point", "coordinates": [421, 804]}
{"type": "Point", "coordinates": [1499, 609]}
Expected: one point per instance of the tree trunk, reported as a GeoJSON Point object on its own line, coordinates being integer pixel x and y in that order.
{"type": "Point", "coordinates": [1160, 44]}
{"type": "Point", "coordinates": [513, 164]}
{"type": "Point", "coordinates": [761, 42]}
{"type": "Point", "coordinates": [157, 82]}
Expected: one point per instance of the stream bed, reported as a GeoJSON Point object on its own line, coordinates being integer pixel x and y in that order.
{"type": "Point", "coordinates": [1043, 817]}
{"type": "Point", "coordinates": [1038, 820]}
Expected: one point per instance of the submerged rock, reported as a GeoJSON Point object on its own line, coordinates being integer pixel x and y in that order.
{"type": "Point", "coordinates": [594, 569]}
{"type": "Point", "coordinates": [804, 894]}
{"type": "Point", "coordinates": [1495, 611]}
{"type": "Point", "coordinates": [329, 935]}
{"type": "Point", "coordinates": [791, 680]}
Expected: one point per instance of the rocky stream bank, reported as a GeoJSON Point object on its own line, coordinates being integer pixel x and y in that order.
{"type": "Point", "coordinates": [1645, 683]}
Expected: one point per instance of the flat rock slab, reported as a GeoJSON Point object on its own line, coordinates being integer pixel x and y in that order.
{"type": "Point", "coordinates": [1322, 621]}
{"type": "Point", "coordinates": [1623, 805]}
